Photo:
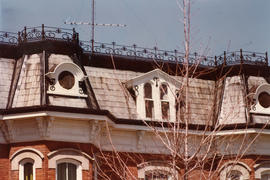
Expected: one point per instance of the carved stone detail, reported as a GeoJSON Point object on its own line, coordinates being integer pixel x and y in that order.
{"type": "Point", "coordinates": [45, 126]}
{"type": "Point", "coordinates": [8, 130]}
{"type": "Point", "coordinates": [94, 130]}
{"type": "Point", "coordinates": [140, 135]}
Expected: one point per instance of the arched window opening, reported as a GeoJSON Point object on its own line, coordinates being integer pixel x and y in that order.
{"type": "Point", "coordinates": [66, 171]}
{"type": "Point", "coordinates": [165, 105]}
{"type": "Point", "coordinates": [28, 171]}
{"type": "Point", "coordinates": [234, 175]}
{"type": "Point", "coordinates": [157, 175]}
{"type": "Point", "coordinates": [266, 176]}
{"type": "Point", "coordinates": [149, 103]}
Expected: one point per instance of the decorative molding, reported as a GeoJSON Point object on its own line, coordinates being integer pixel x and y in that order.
{"type": "Point", "coordinates": [232, 166]}
{"type": "Point", "coordinates": [140, 136]}
{"type": "Point", "coordinates": [26, 153]}
{"type": "Point", "coordinates": [8, 129]}
{"type": "Point", "coordinates": [69, 153]}
{"type": "Point", "coordinates": [27, 149]}
{"type": "Point", "coordinates": [45, 126]}
{"type": "Point", "coordinates": [258, 107]}
{"type": "Point", "coordinates": [260, 168]}
{"type": "Point", "coordinates": [155, 74]}
{"type": "Point", "coordinates": [94, 130]}
{"type": "Point", "coordinates": [73, 70]}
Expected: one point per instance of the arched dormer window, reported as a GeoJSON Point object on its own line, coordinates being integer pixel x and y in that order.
{"type": "Point", "coordinates": [155, 95]}
{"type": "Point", "coordinates": [148, 100]}
{"type": "Point", "coordinates": [164, 101]}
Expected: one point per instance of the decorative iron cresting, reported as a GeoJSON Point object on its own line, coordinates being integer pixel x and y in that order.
{"type": "Point", "coordinates": [8, 38]}
{"type": "Point", "coordinates": [31, 34]}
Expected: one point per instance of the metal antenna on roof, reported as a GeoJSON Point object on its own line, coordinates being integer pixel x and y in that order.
{"type": "Point", "coordinates": [93, 24]}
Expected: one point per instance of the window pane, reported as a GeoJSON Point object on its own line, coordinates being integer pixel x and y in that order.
{"type": "Point", "coordinates": [148, 91]}
{"type": "Point", "coordinates": [149, 108]}
{"type": "Point", "coordinates": [156, 175]}
{"type": "Point", "coordinates": [266, 177]}
{"type": "Point", "coordinates": [165, 110]}
{"type": "Point", "coordinates": [163, 92]}
{"type": "Point", "coordinates": [61, 171]}
{"type": "Point", "coordinates": [235, 175]}
{"type": "Point", "coordinates": [72, 171]}
{"type": "Point", "coordinates": [28, 171]}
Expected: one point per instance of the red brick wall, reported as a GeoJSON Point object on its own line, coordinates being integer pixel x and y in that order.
{"type": "Point", "coordinates": [44, 147]}
{"type": "Point", "coordinates": [49, 174]}
{"type": "Point", "coordinates": [4, 162]}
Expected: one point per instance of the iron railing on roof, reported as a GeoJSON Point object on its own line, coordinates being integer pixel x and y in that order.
{"type": "Point", "coordinates": [32, 34]}
{"type": "Point", "coordinates": [8, 38]}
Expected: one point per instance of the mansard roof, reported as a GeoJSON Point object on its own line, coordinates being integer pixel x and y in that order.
{"type": "Point", "coordinates": [218, 85]}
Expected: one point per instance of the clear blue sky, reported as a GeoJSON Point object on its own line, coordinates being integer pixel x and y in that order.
{"type": "Point", "coordinates": [218, 24]}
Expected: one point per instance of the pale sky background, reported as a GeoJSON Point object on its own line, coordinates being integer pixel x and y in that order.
{"type": "Point", "coordinates": [218, 24]}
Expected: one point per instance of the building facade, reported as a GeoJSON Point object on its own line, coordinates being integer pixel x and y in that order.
{"type": "Point", "coordinates": [69, 111]}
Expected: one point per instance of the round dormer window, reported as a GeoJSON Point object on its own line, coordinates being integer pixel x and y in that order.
{"type": "Point", "coordinates": [264, 99]}
{"type": "Point", "coordinates": [66, 79]}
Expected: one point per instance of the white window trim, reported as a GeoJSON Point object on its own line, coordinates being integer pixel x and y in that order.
{"type": "Point", "coordinates": [71, 155]}
{"type": "Point", "coordinates": [57, 89]}
{"type": "Point", "coordinates": [257, 108]}
{"type": "Point", "coordinates": [155, 77]}
{"type": "Point", "coordinates": [72, 161]}
{"type": "Point", "coordinates": [261, 168]}
{"type": "Point", "coordinates": [239, 166]}
{"type": "Point", "coordinates": [21, 168]}
{"type": "Point", "coordinates": [24, 155]}
{"type": "Point", "coordinates": [140, 101]}
{"type": "Point", "coordinates": [148, 167]}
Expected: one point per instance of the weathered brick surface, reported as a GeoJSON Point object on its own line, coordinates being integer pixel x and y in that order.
{"type": "Point", "coordinates": [49, 174]}
{"type": "Point", "coordinates": [44, 147]}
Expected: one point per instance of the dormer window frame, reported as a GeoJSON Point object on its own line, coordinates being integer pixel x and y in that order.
{"type": "Point", "coordinates": [66, 80]}
{"type": "Point", "coordinates": [156, 79]}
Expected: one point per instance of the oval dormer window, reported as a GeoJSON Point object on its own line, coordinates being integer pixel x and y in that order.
{"type": "Point", "coordinates": [66, 79]}
{"type": "Point", "coordinates": [264, 99]}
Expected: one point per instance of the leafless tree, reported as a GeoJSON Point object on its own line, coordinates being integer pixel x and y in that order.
{"type": "Point", "coordinates": [193, 150]}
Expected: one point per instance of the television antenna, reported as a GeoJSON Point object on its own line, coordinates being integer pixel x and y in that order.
{"type": "Point", "coordinates": [93, 24]}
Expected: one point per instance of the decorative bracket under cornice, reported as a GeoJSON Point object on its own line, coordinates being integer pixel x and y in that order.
{"type": "Point", "coordinates": [94, 131]}
{"type": "Point", "coordinates": [45, 126]}
{"type": "Point", "coordinates": [8, 130]}
{"type": "Point", "coordinates": [140, 136]}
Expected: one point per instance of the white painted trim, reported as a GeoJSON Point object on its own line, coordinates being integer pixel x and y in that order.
{"type": "Point", "coordinates": [27, 149]}
{"type": "Point", "coordinates": [149, 167]}
{"type": "Point", "coordinates": [72, 161]}
{"type": "Point", "coordinates": [261, 168]}
{"type": "Point", "coordinates": [68, 153]}
{"type": "Point", "coordinates": [21, 168]}
{"type": "Point", "coordinates": [149, 75]}
{"type": "Point", "coordinates": [78, 74]}
{"type": "Point", "coordinates": [257, 108]}
{"type": "Point", "coordinates": [239, 166]}
{"type": "Point", "coordinates": [69, 149]}
{"type": "Point", "coordinates": [26, 153]}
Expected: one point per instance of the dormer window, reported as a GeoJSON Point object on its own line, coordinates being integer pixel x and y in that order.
{"type": "Point", "coordinates": [148, 99]}
{"type": "Point", "coordinates": [164, 101]}
{"type": "Point", "coordinates": [66, 79]}
{"type": "Point", "coordinates": [262, 100]}
{"type": "Point", "coordinates": [155, 95]}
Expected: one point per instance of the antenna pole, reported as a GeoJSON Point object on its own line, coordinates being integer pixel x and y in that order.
{"type": "Point", "coordinates": [93, 24]}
